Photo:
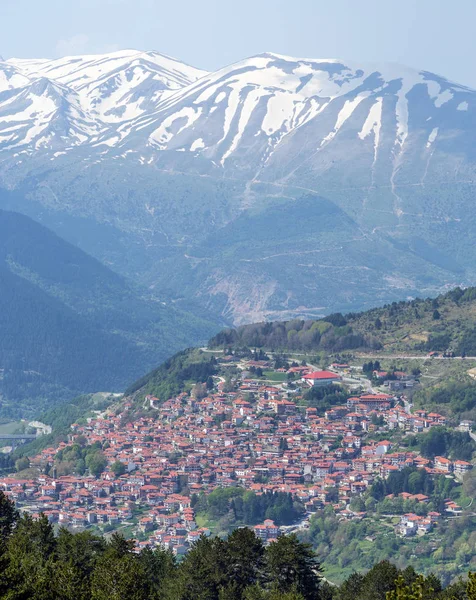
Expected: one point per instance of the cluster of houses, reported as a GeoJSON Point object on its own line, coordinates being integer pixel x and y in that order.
{"type": "Point", "coordinates": [255, 437]}
{"type": "Point", "coordinates": [411, 524]}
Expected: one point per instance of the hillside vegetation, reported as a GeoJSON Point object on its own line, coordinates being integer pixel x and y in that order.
{"type": "Point", "coordinates": [445, 323]}
{"type": "Point", "coordinates": [176, 374]}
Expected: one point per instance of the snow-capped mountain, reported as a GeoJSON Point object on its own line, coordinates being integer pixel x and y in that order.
{"type": "Point", "coordinates": [146, 100]}
{"type": "Point", "coordinates": [44, 115]}
{"type": "Point", "coordinates": [115, 87]}
{"type": "Point", "coordinates": [169, 155]}
{"type": "Point", "coordinates": [91, 92]}
{"type": "Point", "coordinates": [259, 101]}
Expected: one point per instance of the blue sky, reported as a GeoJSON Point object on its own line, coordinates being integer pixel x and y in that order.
{"type": "Point", "coordinates": [436, 35]}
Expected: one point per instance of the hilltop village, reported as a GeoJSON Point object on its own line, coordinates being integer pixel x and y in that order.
{"type": "Point", "coordinates": [252, 435]}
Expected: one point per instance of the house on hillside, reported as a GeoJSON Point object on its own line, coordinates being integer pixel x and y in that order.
{"type": "Point", "coordinates": [443, 464]}
{"type": "Point", "coordinates": [461, 467]}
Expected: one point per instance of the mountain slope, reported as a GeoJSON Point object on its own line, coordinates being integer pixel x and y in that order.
{"type": "Point", "coordinates": [115, 87]}
{"type": "Point", "coordinates": [71, 325]}
{"type": "Point", "coordinates": [168, 157]}
{"type": "Point", "coordinates": [444, 323]}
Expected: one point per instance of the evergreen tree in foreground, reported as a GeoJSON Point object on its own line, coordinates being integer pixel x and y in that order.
{"type": "Point", "coordinates": [37, 565]}
{"type": "Point", "coordinates": [293, 567]}
{"type": "Point", "coordinates": [8, 517]}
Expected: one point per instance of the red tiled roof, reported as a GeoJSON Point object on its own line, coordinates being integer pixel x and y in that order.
{"type": "Point", "coordinates": [322, 375]}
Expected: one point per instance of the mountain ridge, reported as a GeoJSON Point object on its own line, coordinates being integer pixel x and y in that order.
{"type": "Point", "coordinates": [175, 163]}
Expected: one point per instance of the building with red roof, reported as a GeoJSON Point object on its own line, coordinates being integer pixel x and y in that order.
{"type": "Point", "coordinates": [321, 378]}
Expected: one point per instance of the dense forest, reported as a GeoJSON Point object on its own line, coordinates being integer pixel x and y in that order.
{"type": "Point", "coordinates": [234, 506]}
{"type": "Point", "coordinates": [334, 334]}
{"type": "Point", "coordinates": [39, 565]}
{"type": "Point", "coordinates": [455, 397]}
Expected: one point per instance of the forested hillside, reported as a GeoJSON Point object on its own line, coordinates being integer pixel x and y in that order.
{"type": "Point", "coordinates": [445, 323]}
{"type": "Point", "coordinates": [172, 377]}
{"type": "Point", "coordinates": [333, 333]}
{"type": "Point", "coordinates": [70, 325]}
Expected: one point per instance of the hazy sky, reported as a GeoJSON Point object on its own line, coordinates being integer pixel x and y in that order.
{"type": "Point", "coordinates": [436, 35]}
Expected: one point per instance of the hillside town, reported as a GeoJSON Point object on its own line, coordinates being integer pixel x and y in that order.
{"type": "Point", "coordinates": [257, 436]}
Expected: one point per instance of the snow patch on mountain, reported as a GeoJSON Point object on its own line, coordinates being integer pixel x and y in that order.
{"type": "Point", "coordinates": [166, 132]}
{"type": "Point", "coordinates": [197, 145]}
{"type": "Point", "coordinates": [127, 101]}
{"type": "Point", "coordinates": [344, 114]}
{"type": "Point", "coordinates": [11, 78]}
{"type": "Point", "coordinates": [432, 137]}
{"type": "Point", "coordinates": [247, 109]}
{"type": "Point", "coordinates": [373, 124]}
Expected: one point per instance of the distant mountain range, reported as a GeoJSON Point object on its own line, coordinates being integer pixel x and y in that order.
{"type": "Point", "coordinates": [69, 325]}
{"type": "Point", "coordinates": [272, 188]}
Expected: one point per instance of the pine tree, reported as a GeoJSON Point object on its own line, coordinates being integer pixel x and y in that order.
{"type": "Point", "coordinates": [418, 590]}
{"type": "Point", "coordinates": [202, 573]}
{"type": "Point", "coordinates": [8, 517]}
{"type": "Point", "coordinates": [117, 578]}
{"type": "Point", "coordinates": [76, 556]}
{"type": "Point", "coordinates": [28, 561]}
{"type": "Point", "coordinates": [119, 574]}
{"type": "Point", "coordinates": [244, 559]}
{"type": "Point", "coordinates": [351, 587]}
{"type": "Point", "coordinates": [379, 580]}
{"type": "Point", "coordinates": [471, 587]}
{"type": "Point", "coordinates": [292, 566]}
{"type": "Point", "coordinates": [160, 569]}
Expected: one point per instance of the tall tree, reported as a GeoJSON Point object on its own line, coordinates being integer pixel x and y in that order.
{"type": "Point", "coordinates": [203, 570]}
{"type": "Point", "coordinates": [244, 559]}
{"type": "Point", "coordinates": [351, 588]}
{"type": "Point", "coordinates": [379, 580]}
{"type": "Point", "coordinates": [292, 566]}
{"type": "Point", "coordinates": [119, 574]}
{"type": "Point", "coordinates": [29, 557]}
{"type": "Point", "coordinates": [160, 570]}
{"type": "Point", "coordinates": [76, 557]}
{"type": "Point", "coordinates": [8, 518]}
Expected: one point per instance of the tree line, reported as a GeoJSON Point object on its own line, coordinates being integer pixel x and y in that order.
{"type": "Point", "coordinates": [35, 564]}
{"type": "Point", "coordinates": [236, 506]}
{"type": "Point", "coordinates": [334, 334]}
